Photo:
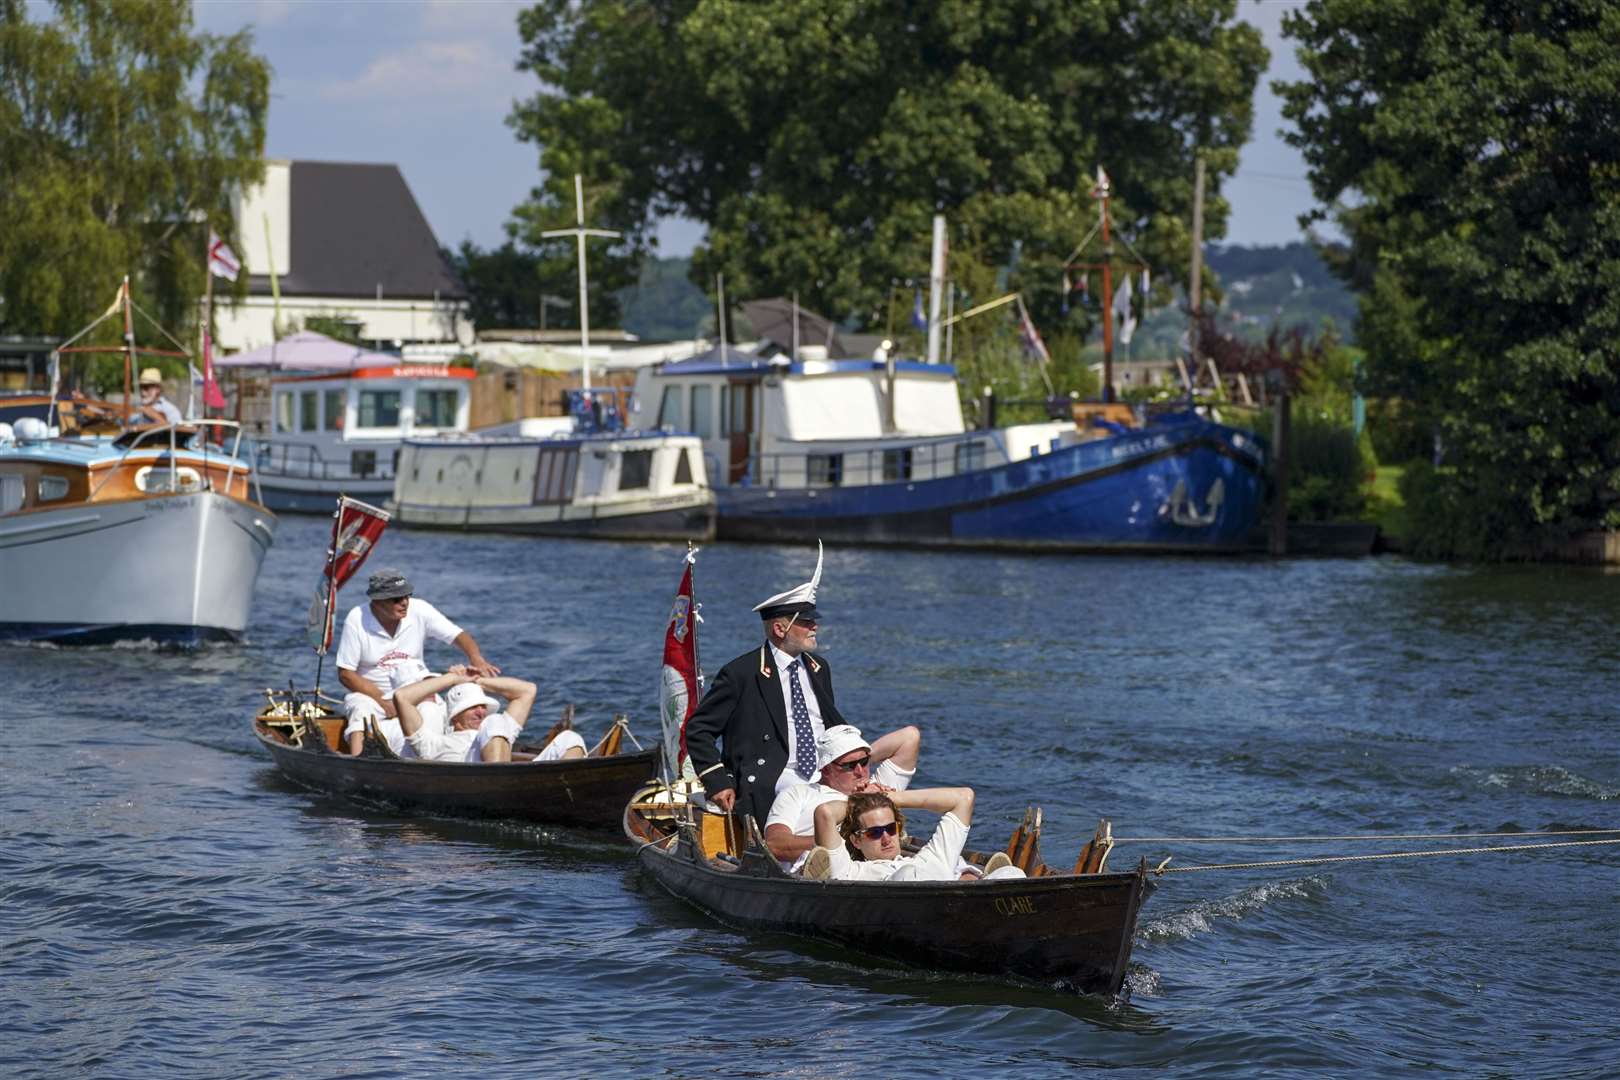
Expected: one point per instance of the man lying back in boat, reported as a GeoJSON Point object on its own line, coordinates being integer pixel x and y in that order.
{"type": "Point", "coordinates": [476, 732]}
{"type": "Point", "coordinates": [848, 767]}
{"type": "Point", "coordinates": [390, 629]}
{"type": "Point", "coordinates": [859, 840]}
{"type": "Point", "coordinates": [433, 709]}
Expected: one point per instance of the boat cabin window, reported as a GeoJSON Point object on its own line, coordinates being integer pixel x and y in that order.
{"type": "Point", "coordinates": [363, 462]}
{"type": "Point", "coordinates": [825, 470]}
{"type": "Point", "coordinates": [436, 408]}
{"type": "Point", "coordinates": [669, 409]}
{"type": "Point", "coordinates": [52, 488]}
{"type": "Point", "coordinates": [683, 467]}
{"type": "Point", "coordinates": [12, 491]}
{"type": "Point", "coordinates": [703, 411]}
{"type": "Point", "coordinates": [897, 464]}
{"type": "Point", "coordinates": [154, 479]}
{"type": "Point", "coordinates": [334, 410]}
{"type": "Point", "coordinates": [970, 456]}
{"type": "Point", "coordinates": [284, 412]}
{"type": "Point", "coordinates": [379, 408]}
{"type": "Point", "coordinates": [554, 474]}
{"type": "Point", "coordinates": [635, 469]}
{"type": "Point", "coordinates": [309, 414]}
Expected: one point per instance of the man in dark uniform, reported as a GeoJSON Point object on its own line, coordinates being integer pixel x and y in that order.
{"type": "Point", "coordinates": [767, 707]}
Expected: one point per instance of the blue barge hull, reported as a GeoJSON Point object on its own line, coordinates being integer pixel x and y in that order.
{"type": "Point", "coordinates": [1183, 484]}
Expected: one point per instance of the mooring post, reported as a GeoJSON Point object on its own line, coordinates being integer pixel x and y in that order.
{"type": "Point", "coordinates": [1281, 426]}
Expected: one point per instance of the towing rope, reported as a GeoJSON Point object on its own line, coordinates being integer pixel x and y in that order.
{"type": "Point", "coordinates": [1162, 868]}
{"type": "Point", "coordinates": [1360, 836]}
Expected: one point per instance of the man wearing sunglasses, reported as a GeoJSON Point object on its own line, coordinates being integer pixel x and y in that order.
{"type": "Point", "coordinates": [859, 840]}
{"type": "Point", "coordinates": [849, 766]}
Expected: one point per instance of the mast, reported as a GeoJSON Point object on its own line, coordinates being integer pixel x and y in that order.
{"type": "Point", "coordinates": [129, 347]}
{"type": "Point", "coordinates": [936, 288]}
{"type": "Point", "coordinates": [1107, 288]}
{"type": "Point", "coordinates": [1195, 282]}
{"type": "Point", "coordinates": [580, 232]}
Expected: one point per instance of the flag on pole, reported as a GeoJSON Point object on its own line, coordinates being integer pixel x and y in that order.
{"type": "Point", "coordinates": [680, 681]}
{"type": "Point", "coordinates": [1033, 345]}
{"type": "Point", "coordinates": [356, 528]}
{"type": "Point", "coordinates": [212, 397]}
{"type": "Point", "coordinates": [918, 318]}
{"type": "Point", "coordinates": [221, 259]}
{"type": "Point", "coordinates": [1123, 312]}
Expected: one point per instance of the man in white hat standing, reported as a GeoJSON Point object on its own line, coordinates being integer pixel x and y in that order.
{"type": "Point", "coordinates": [390, 629]}
{"type": "Point", "coordinates": [754, 733]}
{"type": "Point", "coordinates": [848, 767]}
{"type": "Point", "coordinates": [154, 407]}
{"type": "Point", "coordinates": [477, 732]}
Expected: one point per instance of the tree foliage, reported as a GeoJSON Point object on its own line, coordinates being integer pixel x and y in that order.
{"type": "Point", "coordinates": [816, 138]}
{"type": "Point", "coordinates": [1476, 144]}
{"type": "Point", "coordinates": [123, 134]}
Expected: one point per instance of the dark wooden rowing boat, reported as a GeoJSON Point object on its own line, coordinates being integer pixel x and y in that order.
{"type": "Point", "coordinates": [1068, 929]}
{"type": "Point", "coordinates": [589, 792]}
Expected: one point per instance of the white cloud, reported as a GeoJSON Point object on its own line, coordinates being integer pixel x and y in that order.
{"type": "Point", "coordinates": [461, 72]}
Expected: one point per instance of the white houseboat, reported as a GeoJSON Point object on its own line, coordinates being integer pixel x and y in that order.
{"type": "Point", "coordinates": [342, 433]}
{"type": "Point", "coordinates": [558, 476]}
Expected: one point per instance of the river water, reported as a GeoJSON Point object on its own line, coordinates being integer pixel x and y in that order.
{"type": "Point", "coordinates": [173, 907]}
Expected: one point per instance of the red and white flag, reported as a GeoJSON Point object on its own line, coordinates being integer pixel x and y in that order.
{"type": "Point", "coordinates": [356, 528]}
{"type": "Point", "coordinates": [221, 259]}
{"type": "Point", "coordinates": [681, 682]}
{"type": "Point", "coordinates": [212, 397]}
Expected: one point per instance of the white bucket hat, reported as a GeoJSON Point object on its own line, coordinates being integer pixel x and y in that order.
{"type": "Point", "coordinates": [835, 742]}
{"type": "Point", "coordinates": [463, 696]}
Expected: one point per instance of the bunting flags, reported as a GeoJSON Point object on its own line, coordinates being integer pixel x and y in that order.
{"type": "Point", "coordinates": [680, 681]}
{"type": "Point", "coordinates": [221, 259]}
{"type": "Point", "coordinates": [356, 528]}
{"type": "Point", "coordinates": [1067, 289]}
{"type": "Point", "coordinates": [919, 318]}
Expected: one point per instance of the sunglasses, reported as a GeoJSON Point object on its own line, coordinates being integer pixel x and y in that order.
{"type": "Point", "coordinates": [878, 832]}
{"type": "Point", "coordinates": [851, 766]}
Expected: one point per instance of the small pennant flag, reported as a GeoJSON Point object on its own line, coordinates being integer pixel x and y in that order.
{"type": "Point", "coordinates": [918, 318]}
{"type": "Point", "coordinates": [221, 259]}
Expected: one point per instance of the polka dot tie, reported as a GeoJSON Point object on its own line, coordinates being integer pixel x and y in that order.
{"type": "Point", "coordinates": [804, 739]}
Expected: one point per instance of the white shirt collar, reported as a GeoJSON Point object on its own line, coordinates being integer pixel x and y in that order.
{"type": "Point", "coordinates": [783, 659]}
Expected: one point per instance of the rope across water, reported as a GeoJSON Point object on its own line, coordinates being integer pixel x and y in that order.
{"type": "Point", "coordinates": [1324, 859]}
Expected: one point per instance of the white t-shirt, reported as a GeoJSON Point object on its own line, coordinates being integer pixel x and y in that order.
{"type": "Point", "coordinates": [788, 776]}
{"type": "Point", "coordinates": [453, 745]}
{"type": "Point", "coordinates": [796, 806]}
{"type": "Point", "coordinates": [371, 652]}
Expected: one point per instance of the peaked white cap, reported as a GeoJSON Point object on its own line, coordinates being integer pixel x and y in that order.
{"type": "Point", "coordinates": [800, 600]}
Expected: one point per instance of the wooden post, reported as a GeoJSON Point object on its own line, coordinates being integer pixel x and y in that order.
{"type": "Point", "coordinates": [1280, 429]}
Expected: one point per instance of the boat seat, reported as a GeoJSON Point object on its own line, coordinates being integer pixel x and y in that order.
{"type": "Point", "coordinates": [613, 739]}
{"type": "Point", "coordinates": [325, 734]}
{"type": "Point", "coordinates": [1095, 854]}
{"type": "Point", "coordinates": [1024, 848]}
{"type": "Point", "coordinates": [720, 834]}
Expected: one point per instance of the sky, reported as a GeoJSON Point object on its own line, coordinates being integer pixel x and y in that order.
{"type": "Point", "coordinates": [428, 84]}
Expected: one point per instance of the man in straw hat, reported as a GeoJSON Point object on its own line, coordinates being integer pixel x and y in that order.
{"type": "Point", "coordinates": [154, 407]}
{"type": "Point", "coordinates": [754, 733]}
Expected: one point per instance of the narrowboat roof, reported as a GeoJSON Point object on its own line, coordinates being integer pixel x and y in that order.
{"type": "Point", "coordinates": [749, 365]}
{"type": "Point", "coordinates": [473, 439]}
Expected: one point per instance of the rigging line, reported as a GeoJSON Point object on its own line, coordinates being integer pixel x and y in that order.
{"type": "Point", "coordinates": [1362, 836]}
{"type": "Point", "coordinates": [1324, 859]}
{"type": "Point", "coordinates": [146, 315]}
{"type": "Point", "coordinates": [1081, 246]}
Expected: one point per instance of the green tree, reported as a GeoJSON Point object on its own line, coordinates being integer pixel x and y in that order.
{"type": "Point", "coordinates": [1477, 145]}
{"type": "Point", "coordinates": [816, 138]}
{"type": "Point", "coordinates": [123, 134]}
{"type": "Point", "coordinates": [504, 286]}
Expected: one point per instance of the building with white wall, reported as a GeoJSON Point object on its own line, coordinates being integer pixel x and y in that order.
{"type": "Point", "coordinates": [345, 241]}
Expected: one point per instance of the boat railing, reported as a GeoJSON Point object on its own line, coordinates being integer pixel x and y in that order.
{"type": "Point", "coordinates": [859, 466]}
{"type": "Point", "coordinates": [148, 438]}
{"type": "Point", "coordinates": [304, 461]}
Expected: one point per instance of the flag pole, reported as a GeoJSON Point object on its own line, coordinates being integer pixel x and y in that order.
{"type": "Point", "coordinates": [326, 620]}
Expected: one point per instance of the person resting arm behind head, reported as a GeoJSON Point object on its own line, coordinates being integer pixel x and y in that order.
{"type": "Point", "coordinates": [475, 733]}
{"type": "Point", "coordinates": [859, 840]}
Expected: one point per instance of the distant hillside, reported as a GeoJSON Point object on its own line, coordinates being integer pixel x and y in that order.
{"type": "Point", "coordinates": [1260, 286]}
{"type": "Point", "coordinates": [664, 305]}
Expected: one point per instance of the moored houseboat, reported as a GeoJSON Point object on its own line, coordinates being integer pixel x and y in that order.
{"type": "Point", "coordinates": [342, 433]}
